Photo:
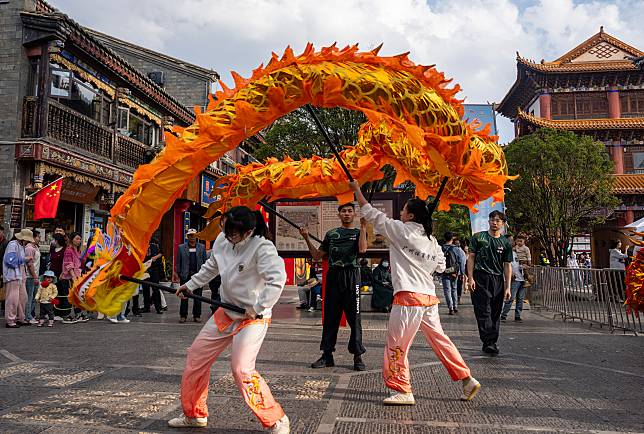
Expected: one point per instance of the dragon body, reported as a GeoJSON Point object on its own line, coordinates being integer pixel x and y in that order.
{"type": "Point", "coordinates": [414, 123]}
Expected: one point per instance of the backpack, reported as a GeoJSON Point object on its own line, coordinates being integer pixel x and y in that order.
{"type": "Point", "coordinates": [451, 260]}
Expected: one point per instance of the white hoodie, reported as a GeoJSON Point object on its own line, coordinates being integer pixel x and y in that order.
{"type": "Point", "coordinates": [414, 257]}
{"type": "Point", "coordinates": [252, 274]}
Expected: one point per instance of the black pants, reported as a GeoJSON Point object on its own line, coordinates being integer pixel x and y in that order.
{"type": "Point", "coordinates": [459, 287]}
{"type": "Point", "coordinates": [46, 311]}
{"type": "Point", "coordinates": [64, 308]}
{"type": "Point", "coordinates": [156, 295]}
{"type": "Point", "coordinates": [342, 294]}
{"type": "Point", "coordinates": [196, 305]}
{"type": "Point", "coordinates": [487, 299]}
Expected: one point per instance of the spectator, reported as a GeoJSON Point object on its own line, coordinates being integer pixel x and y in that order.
{"type": "Point", "coordinates": [366, 275]}
{"type": "Point", "coordinates": [517, 289]}
{"type": "Point", "coordinates": [523, 252]}
{"type": "Point", "coordinates": [71, 271]}
{"type": "Point", "coordinates": [383, 290]}
{"type": "Point", "coordinates": [14, 276]}
{"type": "Point", "coordinates": [3, 247]}
{"type": "Point", "coordinates": [617, 258]}
{"type": "Point", "coordinates": [461, 251]}
{"type": "Point", "coordinates": [32, 258]}
{"type": "Point", "coordinates": [489, 273]}
{"type": "Point", "coordinates": [190, 257]}
{"type": "Point", "coordinates": [450, 275]}
{"type": "Point", "coordinates": [156, 272]}
{"type": "Point", "coordinates": [57, 254]}
{"type": "Point", "coordinates": [45, 295]}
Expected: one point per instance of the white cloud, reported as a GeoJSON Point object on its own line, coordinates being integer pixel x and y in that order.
{"type": "Point", "coordinates": [473, 41]}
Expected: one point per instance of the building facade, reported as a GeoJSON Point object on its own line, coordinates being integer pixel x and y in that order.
{"type": "Point", "coordinates": [595, 89]}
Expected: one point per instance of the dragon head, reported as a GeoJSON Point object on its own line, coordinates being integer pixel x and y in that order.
{"type": "Point", "coordinates": [101, 288]}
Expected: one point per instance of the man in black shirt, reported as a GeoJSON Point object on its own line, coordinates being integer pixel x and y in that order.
{"type": "Point", "coordinates": [489, 272]}
{"type": "Point", "coordinates": [342, 293]}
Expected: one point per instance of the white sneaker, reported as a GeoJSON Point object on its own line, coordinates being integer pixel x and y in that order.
{"type": "Point", "coordinates": [33, 321]}
{"type": "Point", "coordinates": [184, 421]}
{"type": "Point", "coordinates": [124, 320]}
{"type": "Point", "coordinates": [397, 398]}
{"type": "Point", "coordinates": [282, 426]}
{"type": "Point", "coordinates": [57, 318]}
{"type": "Point", "coordinates": [100, 315]}
{"type": "Point", "coordinates": [470, 388]}
{"type": "Point", "coordinates": [113, 320]}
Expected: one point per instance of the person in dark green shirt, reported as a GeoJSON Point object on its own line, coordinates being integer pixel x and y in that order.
{"type": "Point", "coordinates": [489, 272]}
{"type": "Point", "coordinates": [342, 288]}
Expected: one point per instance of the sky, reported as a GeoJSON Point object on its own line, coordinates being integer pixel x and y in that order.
{"type": "Point", "coordinates": [474, 41]}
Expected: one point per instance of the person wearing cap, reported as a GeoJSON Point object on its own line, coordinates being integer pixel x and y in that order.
{"type": "Point", "coordinates": [46, 295]}
{"type": "Point", "coordinates": [14, 276]}
{"type": "Point", "coordinates": [190, 257]}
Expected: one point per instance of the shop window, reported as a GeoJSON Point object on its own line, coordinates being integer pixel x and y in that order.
{"type": "Point", "coordinates": [79, 95]}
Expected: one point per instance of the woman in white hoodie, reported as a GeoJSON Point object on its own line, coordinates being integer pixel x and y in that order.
{"type": "Point", "coordinates": [414, 256]}
{"type": "Point", "coordinates": [252, 277]}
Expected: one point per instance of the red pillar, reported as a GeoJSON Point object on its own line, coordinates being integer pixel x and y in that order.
{"type": "Point", "coordinates": [617, 154]}
{"type": "Point", "coordinates": [545, 103]}
{"type": "Point", "coordinates": [180, 207]}
{"type": "Point", "coordinates": [614, 109]}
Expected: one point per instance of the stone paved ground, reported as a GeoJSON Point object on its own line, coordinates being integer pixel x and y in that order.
{"type": "Point", "coordinates": [100, 377]}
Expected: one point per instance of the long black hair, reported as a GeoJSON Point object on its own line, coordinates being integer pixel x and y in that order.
{"type": "Point", "coordinates": [422, 214]}
{"type": "Point", "coordinates": [241, 219]}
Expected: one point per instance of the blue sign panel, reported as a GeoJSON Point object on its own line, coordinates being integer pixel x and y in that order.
{"type": "Point", "coordinates": [207, 185]}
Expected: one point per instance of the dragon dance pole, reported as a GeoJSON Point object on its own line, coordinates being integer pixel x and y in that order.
{"type": "Point", "coordinates": [438, 194]}
{"type": "Point", "coordinates": [328, 140]}
{"type": "Point", "coordinates": [189, 295]}
{"type": "Point", "coordinates": [283, 217]}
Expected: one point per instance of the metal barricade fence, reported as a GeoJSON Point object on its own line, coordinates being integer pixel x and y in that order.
{"type": "Point", "coordinates": [593, 295]}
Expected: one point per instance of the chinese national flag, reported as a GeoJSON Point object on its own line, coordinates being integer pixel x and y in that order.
{"type": "Point", "coordinates": [46, 201]}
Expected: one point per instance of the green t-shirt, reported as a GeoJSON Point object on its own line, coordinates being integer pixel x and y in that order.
{"type": "Point", "coordinates": [341, 244]}
{"type": "Point", "coordinates": [490, 252]}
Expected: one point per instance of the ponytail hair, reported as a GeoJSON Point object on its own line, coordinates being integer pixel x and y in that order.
{"type": "Point", "coordinates": [240, 219]}
{"type": "Point", "coordinates": [422, 214]}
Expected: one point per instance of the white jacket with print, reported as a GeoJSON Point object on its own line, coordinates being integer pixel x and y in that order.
{"type": "Point", "coordinates": [413, 256]}
{"type": "Point", "coordinates": [252, 274]}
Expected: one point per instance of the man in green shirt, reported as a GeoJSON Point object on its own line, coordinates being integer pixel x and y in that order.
{"type": "Point", "coordinates": [342, 288]}
{"type": "Point", "coordinates": [489, 272]}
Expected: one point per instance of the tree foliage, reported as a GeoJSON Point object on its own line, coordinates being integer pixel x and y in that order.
{"type": "Point", "coordinates": [563, 180]}
{"type": "Point", "coordinates": [456, 220]}
{"type": "Point", "coordinates": [295, 134]}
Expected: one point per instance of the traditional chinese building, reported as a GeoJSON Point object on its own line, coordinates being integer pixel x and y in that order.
{"type": "Point", "coordinates": [91, 108]}
{"type": "Point", "coordinates": [595, 89]}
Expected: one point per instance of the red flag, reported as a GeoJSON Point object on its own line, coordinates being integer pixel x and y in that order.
{"type": "Point", "coordinates": [46, 201]}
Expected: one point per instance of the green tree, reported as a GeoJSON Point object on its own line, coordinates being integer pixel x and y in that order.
{"type": "Point", "coordinates": [456, 220]}
{"type": "Point", "coordinates": [563, 179]}
{"type": "Point", "coordinates": [295, 134]}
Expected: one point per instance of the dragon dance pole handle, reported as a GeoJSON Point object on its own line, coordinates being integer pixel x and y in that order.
{"type": "Point", "coordinates": [189, 295]}
{"type": "Point", "coordinates": [283, 217]}
{"type": "Point", "coordinates": [438, 194]}
{"type": "Point", "coordinates": [328, 140]}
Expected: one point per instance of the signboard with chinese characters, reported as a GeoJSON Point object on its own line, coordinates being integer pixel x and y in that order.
{"type": "Point", "coordinates": [320, 217]}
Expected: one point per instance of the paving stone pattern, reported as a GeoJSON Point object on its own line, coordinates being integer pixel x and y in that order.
{"type": "Point", "coordinates": [551, 377]}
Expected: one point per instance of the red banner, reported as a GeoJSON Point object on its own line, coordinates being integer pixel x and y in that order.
{"type": "Point", "coordinates": [46, 201]}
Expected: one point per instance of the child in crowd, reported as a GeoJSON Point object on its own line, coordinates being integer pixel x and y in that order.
{"type": "Point", "coordinates": [46, 295]}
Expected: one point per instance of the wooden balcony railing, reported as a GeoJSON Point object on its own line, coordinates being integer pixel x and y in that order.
{"type": "Point", "coordinates": [71, 128]}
